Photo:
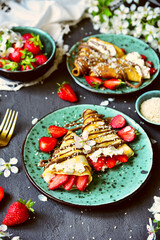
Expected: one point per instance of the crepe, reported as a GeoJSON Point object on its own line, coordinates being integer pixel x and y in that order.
{"type": "Point", "coordinates": [91, 53]}
{"type": "Point", "coordinates": [68, 160]}
{"type": "Point", "coordinates": [107, 142]}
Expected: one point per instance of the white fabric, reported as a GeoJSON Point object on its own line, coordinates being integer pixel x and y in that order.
{"type": "Point", "coordinates": [53, 16]}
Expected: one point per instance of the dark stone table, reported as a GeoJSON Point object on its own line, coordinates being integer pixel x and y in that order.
{"type": "Point", "coordinates": [52, 220]}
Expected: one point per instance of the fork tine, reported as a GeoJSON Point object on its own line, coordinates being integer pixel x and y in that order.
{"type": "Point", "coordinates": [7, 120]}
{"type": "Point", "coordinates": [12, 128]}
{"type": "Point", "coordinates": [4, 119]}
{"type": "Point", "coordinates": [10, 122]}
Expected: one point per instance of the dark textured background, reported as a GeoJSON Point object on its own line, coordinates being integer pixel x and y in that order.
{"type": "Point", "coordinates": [52, 220]}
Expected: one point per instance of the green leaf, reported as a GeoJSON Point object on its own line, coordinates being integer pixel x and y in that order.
{"type": "Point", "coordinates": [107, 12]}
{"type": "Point", "coordinates": [8, 44]}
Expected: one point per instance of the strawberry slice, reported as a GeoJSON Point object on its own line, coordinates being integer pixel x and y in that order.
{"type": "Point", "coordinates": [57, 181]}
{"type": "Point", "coordinates": [149, 64]}
{"type": "Point", "coordinates": [127, 133]}
{"type": "Point", "coordinates": [99, 164]}
{"type": "Point", "coordinates": [81, 182]}
{"type": "Point", "coordinates": [121, 158]}
{"type": "Point", "coordinates": [1, 193]}
{"type": "Point", "coordinates": [153, 70]}
{"type": "Point", "coordinates": [123, 50]}
{"type": "Point", "coordinates": [71, 180]}
{"type": "Point", "coordinates": [118, 121]}
{"type": "Point", "coordinates": [66, 92]}
{"type": "Point", "coordinates": [47, 144]}
{"type": "Point", "coordinates": [110, 162]}
{"type": "Point", "coordinates": [113, 83]}
{"type": "Point", "coordinates": [94, 82]}
{"type": "Point", "coordinates": [143, 57]}
{"type": "Point", "coordinates": [56, 131]}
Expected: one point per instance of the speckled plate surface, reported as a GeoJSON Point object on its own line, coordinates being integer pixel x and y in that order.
{"type": "Point", "coordinates": [128, 43]}
{"type": "Point", "coordinates": [106, 188]}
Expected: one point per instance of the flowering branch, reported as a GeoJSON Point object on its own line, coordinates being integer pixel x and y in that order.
{"type": "Point", "coordinates": [138, 21]}
{"type": "Point", "coordinates": [155, 210]}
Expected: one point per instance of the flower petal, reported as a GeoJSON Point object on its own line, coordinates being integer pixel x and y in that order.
{"type": "Point", "coordinates": [2, 161]}
{"type": "Point", "coordinates": [78, 142]}
{"type": "Point", "coordinates": [7, 173]}
{"type": "Point", "coordinates": [13, 161]}
{"type": "Point", "coordinates": [87, 147]}
{"type": "Point", "coordinates": [42, 198]}
{"type": "Point", "coordinates": [2, 168]}
{"type": "Point", "coordinates": [16, 238]}
{"type": "Point", "coordinates": [3, 227]}
{"type": "Point", "coordinates": [14, 169]}
{"type": "Point", "coordinates": [91, 142]}
{"type": "Point", "coordinates": [85, 135]}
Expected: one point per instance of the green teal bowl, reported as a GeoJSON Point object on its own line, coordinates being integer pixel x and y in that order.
{"type": "Point", "coordinates": [126, 42]}
{"type": "Point", "coordinates": [144, 97]}
{"type": "Point", "coordinates": [49, 49]}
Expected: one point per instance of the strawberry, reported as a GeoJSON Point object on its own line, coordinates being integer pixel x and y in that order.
{"type": "Point", "coordinates": [112, 83]}
{"type": "Point", "coordinates": [123, 50]}
{"type": "Point", "coordinates": [153, 70]}
{"type": "Point", "coordinates": [99, 164]}
{"type": "Point", "coordinates": [1, 193]}
{"type": "Point", "coordinates": [121, 158]}
{"type": "Point", "coordinates": [66, 92]}
{"type": "Point", "coordinates": [18, 212]}
{"type": "Point", "coordinates": [127, 133]}
{"type": "Point", "coordinates": [149, 64]}
{"type": "Point", "coordinates": [27, 36]}
{"type": "Point", "coordinates": [10, 66]}
{"type": "Point", "coordinates": [118, 121]}
{"type": "Point", "coordinates": [71, 180]}
{"type": "Point", "coordinates": [110, 162]}
{"type": "Point", "coordinates": [143, 57]}
{"type": "Point", "coordinates": [56, 131]}
{"type": "Point", "coordinates": [40, 59]}
{"type": "Point", "coordinates": [81, 182]}
{"type": "Point", "coordinates": [57, 181]}
{"type": "Point", "coordinates": [16, 55]}
{"type": "Point", "coordinates": [47, 144]}
{"type": "Point", "coordinates": [94, 82]}
{"type": "Point", "coordinates": [34, 45]}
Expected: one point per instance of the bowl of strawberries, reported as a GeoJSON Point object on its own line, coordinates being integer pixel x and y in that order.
{"type": "Point", "coordinates": [26, 53]}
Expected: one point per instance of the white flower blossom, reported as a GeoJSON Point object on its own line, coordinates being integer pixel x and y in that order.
{"type": "Point", "coordinates": [7, 167]}
{"type": "Point", "coordinates": [137, 31]}
{"type": "Point", "coordinates": [144, 9]}
{"type": "Point", "coordinates": [120, 27]}
{"type": "Point", "coordinates": [83, 142]}
{"type": "Point", "coordinates": [151, 232]}
{"type": "Point", "coordinates": [3, 233]}
{"type": "Point", "coordinates": [153, 13]}
{"type": "Point", "coordinates": [151, 31]}
{"type": "Point", "coordinates": [122, 11]}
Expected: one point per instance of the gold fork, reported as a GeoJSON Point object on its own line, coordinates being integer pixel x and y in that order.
{"type": "Point", "coordinates": [7, 127]}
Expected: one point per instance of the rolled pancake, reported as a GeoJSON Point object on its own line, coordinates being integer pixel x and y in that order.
{"type": "Point", "coordinates": [68, 160]}
{"type": "Point", "coordinates": [107, 142]}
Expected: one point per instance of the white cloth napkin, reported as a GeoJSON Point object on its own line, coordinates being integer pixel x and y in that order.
{"type": "Point", "coordinates": [53, 16]}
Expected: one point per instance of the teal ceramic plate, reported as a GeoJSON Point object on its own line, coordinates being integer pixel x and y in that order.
{"type": "Point", "coordinates": [128, 43]}
{"type": "Point", "coordinates": [106, 188]}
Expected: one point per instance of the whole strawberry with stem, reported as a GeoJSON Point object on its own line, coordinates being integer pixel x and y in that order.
{"type": "Point", "coordinates": [66, 92]}
{"type": "Point", "coordinates": [34, 45]}
{"type": "Point", "coordinates": [18, 212]}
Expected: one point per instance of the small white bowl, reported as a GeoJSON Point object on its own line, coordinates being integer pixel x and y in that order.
{"type": "Point", "coordinates": [144, 97]}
